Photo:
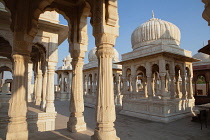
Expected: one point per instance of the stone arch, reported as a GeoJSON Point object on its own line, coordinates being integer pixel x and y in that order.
{"type": "Point", "coordinates": [141, 69]}
{"type": "Point", "coordinates": [128, 71]}
{"type": "Point", "coordinates": [4, 3]}
{"type": "Point", "coordinates": [5, 48]}
{"type": "Point", "coordinates": [8, 36]}
{"type": "Point", "coordinates": [201, 85]}
{"type": "Point", "coordinates": [35, 15]}
{"type": "Point", "coordinates": [5, 68]}
{"type": "Point", "coordinates": [155, 68]}
{"type": "Point", "coordinates": [140, 78]}
{"type": "Point", "coordinates": [48, 5]}
{"type": "Point", "coordinates": [38, 54]}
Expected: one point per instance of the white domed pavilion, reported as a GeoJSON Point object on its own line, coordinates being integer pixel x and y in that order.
{"type": "Point", "coordinates": [90, 73]}
{"type": "Point", "coordinates": [63, 89]}
{"type": "Point", "coordinates": [157, 74]}
{"type": "Point", "coordinates": [201, 72]}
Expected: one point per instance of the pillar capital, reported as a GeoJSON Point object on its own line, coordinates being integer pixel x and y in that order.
{"type": "Point", "coordinates": [22, 47]}
{"type": "Point", "coordinates": [77, 50]}
{"type": "Point", "coordinates": [105, 51]}
{"type": "Point", "coordinates": [77, 62]}
{"type": "Point", "coordinates": [104, 39]}
{"type": "Point", "coordinates": [21, 57]}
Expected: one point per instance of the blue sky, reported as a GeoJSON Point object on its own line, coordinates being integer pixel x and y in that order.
{"type": "Point", "coordinates": [186, 14]}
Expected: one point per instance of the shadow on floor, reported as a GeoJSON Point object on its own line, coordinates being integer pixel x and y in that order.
{"type": "Point", "coordinates": [61, 134]}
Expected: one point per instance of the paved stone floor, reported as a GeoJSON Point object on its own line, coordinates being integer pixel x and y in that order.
{"type": "Point", "coordinates": [128, 128]}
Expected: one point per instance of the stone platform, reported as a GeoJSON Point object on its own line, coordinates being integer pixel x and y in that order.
{"type": "Point", "coordinates": [37, 120]}
{"type": "Point", "coordinates": [158, 110]}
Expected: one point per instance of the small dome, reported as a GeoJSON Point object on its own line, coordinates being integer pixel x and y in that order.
{"type": "Point", "coordinates": [154, 32]}
{"type": "Point", "coordinates": [67, 58]}
{"type": "Point", "coordinates": [92, 56]}
{"type": "Point", "coordinates": [201, 56]}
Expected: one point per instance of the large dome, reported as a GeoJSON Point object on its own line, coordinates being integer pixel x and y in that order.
{"type": "Point", "coordinates": [154, 32]}
{"type": "Point", "coordinates": [201, 56]}
{"type": "Point", "coordinates": [92, 55]}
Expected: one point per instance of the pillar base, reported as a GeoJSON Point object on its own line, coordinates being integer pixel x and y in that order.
{"type": "Point", "coordinates": [43, 106]}
{"type": "Point", "coordinates": [38, 102]}
{"type": "Point", "coordinates": [17, 131]}
{"type": "Point", "coordinates": [76, 124]}
{"type": "Point", "coordinates": [104, 135]}
{"type": "Point", "coordinates": [118, 100]}
{"type": "Point", "coordinates": [50, 108]}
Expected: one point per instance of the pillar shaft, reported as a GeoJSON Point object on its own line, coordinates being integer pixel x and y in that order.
{"type": "Point", "coordinates": [39, 87]}
{"type": "Point", "coordinates": [69, 85]}
{"type": "Point", "coordinates": [76, 121]}
{"type": "Point", "coordinates": [149, 80]}
{"type": "Point", "coordinates": [62, 83]}
{"type": "Point", "coordinates": [163, 85]}
{"type": "Point", "coordinates": [190, 94]}
{"type": "Point", "coordinates": [105, 107]}
{"type": "Point", "coordinates": [184, 96]}
{"type": "Point", "coordinates": [17, 127]}
{"type": "Point", "coordinates": [172, 88]}
{"type": "Point", "coordinates": [44, 91]}
{"type": "Point", "coordinates": [50, 97]}
{"type": "Point", "coordinates": [86, 86]}
{"type": "Point", "coordinates": [29, 93]}
{"type": "Point", "coordinates": [118, 85]}
{"type": "Point", "coordinates": [145, 87]}
{"type": "Point", "coordinates": [35, 89]}
{"type": "Point", "coordinates": [134, 84]}
{"type": "Point", "coordinates": [177, 87]}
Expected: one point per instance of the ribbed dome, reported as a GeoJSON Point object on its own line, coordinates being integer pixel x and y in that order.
{"type": "Point", "coordinates": [201, 56]}
{"type": "Point", "coordinates": [92, 55]}
{"type": "Point", "coordinates": [67, 58]}
{"type": "Point", "coordinates": [154, 32]}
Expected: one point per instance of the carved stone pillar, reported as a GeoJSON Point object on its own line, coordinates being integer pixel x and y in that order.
{"type": "Point", "coordinates": [29, 94]}
{"type": "Point", "coordinates": [39, 87]}
{"type": "Point", "coordinates": [17, 127]}
{"type": "Point", "coordinates": [44, 91]}
{"type": "Point", "coordinates": [50, 97]}
{"type": "Point", "coordinates": [76, 121]}
{"type": "Point", "coordinates": [145, 87]}
{"type": "Point", "coordinates": [86, 85]}
{"type": "Point", "coordinates": [163, 85]}
{"type": "Point", "coordinates": [35, 85]}
{"type": "Point", "coordinates": [184, 96]}
{"type": "Point", "coordinates": [62, 83]}
{"type": "Point", "coordinates": [105, 108]}
{"type": "Point", "coordinates": [133, 79]}
{"type": "Point", "coordinates": [118, 92]}
{"type": "Point", "coordinates": [177, 86]}
{"type": "Point", "coordinates": [190, 94]}
{"type": "Point", "coordinates": [124, 79]}
{"type": "Point", "coordinates": [172, 88]}
{"type": "Point", "coordinates": [69, 85]}
{"type": "Point", "coordinates": [93, 85]}
{"type": "Point", "coordinates": [149, 80]}
{"type": "Point", "coordinates": [130, 84]}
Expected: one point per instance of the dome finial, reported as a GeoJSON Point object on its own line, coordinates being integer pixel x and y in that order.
{"type": "Point", "coordinates": [153, 14]}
